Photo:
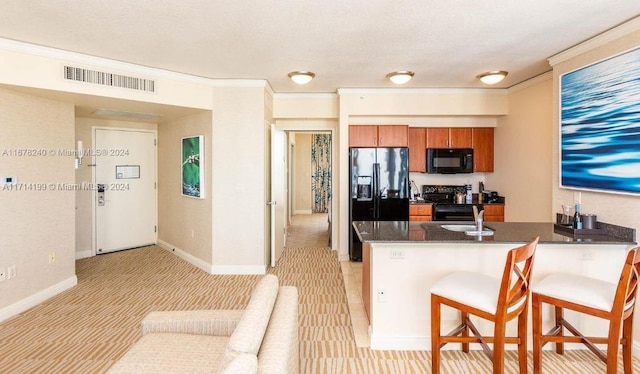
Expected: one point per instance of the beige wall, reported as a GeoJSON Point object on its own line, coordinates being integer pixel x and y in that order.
{"type": "Point", "coordinates": [302, 183]}
{"type": "Point", "coordinates": [84, 176]}
{"type": "Point", "coordinates": [523, 153]}
{"type": "Point", "coordinates": [305, 106]}
{"type": "Point", "coordinates": [184, 223]}
{"type": "Point", "coordinates": [238, 180]}
{"type": "Point", "coordinates": [40, 218]}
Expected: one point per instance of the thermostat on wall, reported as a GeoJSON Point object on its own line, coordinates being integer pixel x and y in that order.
{"type": "Point", "coordinates": [11, 181]}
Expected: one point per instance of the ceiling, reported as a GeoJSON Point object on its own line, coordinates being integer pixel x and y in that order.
{"type": "Point", "coordinates": [348, 44]}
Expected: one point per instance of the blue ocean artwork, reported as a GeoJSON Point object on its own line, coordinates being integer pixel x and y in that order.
{"type": "Point", "coordinates": [600, 125]}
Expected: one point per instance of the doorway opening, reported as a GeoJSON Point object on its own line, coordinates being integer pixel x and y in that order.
{"type": "Point", "coordinates": [309, 186]}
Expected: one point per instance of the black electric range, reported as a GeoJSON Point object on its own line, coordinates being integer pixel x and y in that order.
{"type": "Point", "coordinates": [444, 206]}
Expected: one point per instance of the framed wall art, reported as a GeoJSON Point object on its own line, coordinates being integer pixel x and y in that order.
{"type": "Point", "coordinates": [600, 125]}
{"type": "Point", "coordinates": [193, 166]}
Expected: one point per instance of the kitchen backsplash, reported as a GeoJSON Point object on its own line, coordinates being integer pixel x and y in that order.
{"type": "Point", "coordinates": [451, 180]}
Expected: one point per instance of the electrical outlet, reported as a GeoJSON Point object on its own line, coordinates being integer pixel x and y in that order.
{"type": "Point", "coordinates": [11, 272]}
{"type": "Point", "coordinates": [382, 295]}
{"type": "Point", "coordinates": [52, 257]}
{"type": "Point", "coordinates": [588, 255]}
{"type": "Point", "coordinates": [3, 274]}
{"type": "Point", "coordinates": [397, 253]}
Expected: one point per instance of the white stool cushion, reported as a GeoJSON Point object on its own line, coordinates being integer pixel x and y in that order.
{"type": "Point", "coordinates": [578, 289]}
{"type": "Point", "coordinates": [473, 289]}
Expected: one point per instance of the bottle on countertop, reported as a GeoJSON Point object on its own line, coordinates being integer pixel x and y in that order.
{"type": "Point", "coordinates": [469, 195]}
{"type": "Point", "coordinates": [577, 218]}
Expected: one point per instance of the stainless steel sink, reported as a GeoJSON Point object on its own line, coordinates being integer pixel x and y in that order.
{"type": "Point", "coordinates": [468, 229]}
{"type": "Point", "coordinates": [459, 227]}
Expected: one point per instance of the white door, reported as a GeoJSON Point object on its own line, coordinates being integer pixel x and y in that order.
{"type": "Point", "coordinates": [278, 193]}
{"type": "Point", "coordinates": [125, 206]}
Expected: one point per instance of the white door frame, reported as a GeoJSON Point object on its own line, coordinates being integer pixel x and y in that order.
{"type": "Point", "coordinates": [94, 191]}
{"type": "Point", "coordinates": [334, 165]}
{"type": "Point", "coordinates": [278, 208]}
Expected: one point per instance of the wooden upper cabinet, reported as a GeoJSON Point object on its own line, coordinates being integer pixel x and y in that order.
{"type": "Point", "coordinates": [483, 149]}
{"type": "Point", "coordinates": [378, 136]}
{"type": "Point", "coordinates": [444, 137]}
{"type": "Point", "coordinates": [438, 137]}
{"type": "Point", "coordinates": [363, 136]}
{"type": "Point", "coordinates": [460, 138]}
{"type": "Point", "coordinates": [418, 149]}
{"type": "Point", "coordinates": [393, 136]}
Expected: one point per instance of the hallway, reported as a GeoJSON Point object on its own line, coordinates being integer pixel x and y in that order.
{"type": "Point", "coordinates": [308, 230]}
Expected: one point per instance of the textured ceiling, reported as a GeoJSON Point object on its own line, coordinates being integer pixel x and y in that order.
{"type": "Point", "coordinates": [347, 43]}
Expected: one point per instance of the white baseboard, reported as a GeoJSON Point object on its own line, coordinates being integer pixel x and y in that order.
{"type": "Point", "coordinates": [419, 343]}
{"type": "Point", "coordinates": [405, 343]}
{"type": "Point", "coordinates": [240, 270]}
{"type": "Point", "coordinates": [186, 256]}
{"type": "Point", "coordinates": [213, 269]}
{"type": "Point", "coordinates": [83, 254]}
{"type": "Point", "coordinates": [37, 298]}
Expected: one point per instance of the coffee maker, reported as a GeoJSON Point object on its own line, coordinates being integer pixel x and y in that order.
{"type": "Point", "coordinates": [491, 197]}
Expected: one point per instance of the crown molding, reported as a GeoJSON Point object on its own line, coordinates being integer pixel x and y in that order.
{"type": "Point", "coordinates": [109, 64]}
{"type": "Point", "coordinates": [305, 95]}
{"type": "Point", "coordinates": [597, 41]}
{"type": "Point", "coordinates": [531, 82]}
{"type": "Point", "coordinates": [413, 91]}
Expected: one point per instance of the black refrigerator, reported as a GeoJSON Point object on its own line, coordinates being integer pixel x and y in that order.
{"type": "Point", "coordinates": [379, 180]}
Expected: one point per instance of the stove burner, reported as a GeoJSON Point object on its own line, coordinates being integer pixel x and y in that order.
{"type": "Point", "coordinates": [441, 194]}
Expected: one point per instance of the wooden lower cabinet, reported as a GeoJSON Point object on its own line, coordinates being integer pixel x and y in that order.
{"type": "Point", "coordinates": [420, 212]}
{"type": "Point", "coordinates": [494, 212]}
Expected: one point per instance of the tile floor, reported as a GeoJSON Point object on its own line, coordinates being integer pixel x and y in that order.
{"type": "Point", "coordinates": [352, 274]}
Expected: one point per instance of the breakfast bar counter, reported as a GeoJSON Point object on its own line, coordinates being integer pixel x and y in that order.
{"type": "Point", "coordinates": [401, 260]}
{"type": "Point", "coordinates": [502, 232]}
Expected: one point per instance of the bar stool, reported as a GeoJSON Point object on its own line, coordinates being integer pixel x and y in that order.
{"type": "Point", "coordinates": [612, 302]}
{"type": "Point", "coordinates": [498, 300]}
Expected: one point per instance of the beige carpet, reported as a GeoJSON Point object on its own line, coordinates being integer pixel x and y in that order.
{"type": "Point", "coordinates": [87, 328]}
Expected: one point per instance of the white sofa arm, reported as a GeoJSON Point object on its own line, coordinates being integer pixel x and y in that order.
{"type": "Point", "coordinates": [199, 322]}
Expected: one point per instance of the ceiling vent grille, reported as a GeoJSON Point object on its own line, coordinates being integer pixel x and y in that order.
{"type": "Point", "coordinates": [109, 79]}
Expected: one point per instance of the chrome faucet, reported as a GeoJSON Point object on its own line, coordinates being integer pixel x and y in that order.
{"type": "Point", "coordinates": [479, 218]}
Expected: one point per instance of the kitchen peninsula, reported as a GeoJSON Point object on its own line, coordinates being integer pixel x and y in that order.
{"type": "Point", "coordinates": [402, 259]}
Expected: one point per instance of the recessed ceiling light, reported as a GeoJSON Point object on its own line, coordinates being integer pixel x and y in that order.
{"type": "Point", "coordinates": [301, 77]}
{"type": "Point", "coordinates": [492, 77]}
{"type": "Point", "coordinates": [400, 77]}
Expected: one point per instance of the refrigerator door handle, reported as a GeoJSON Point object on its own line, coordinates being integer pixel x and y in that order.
{"type": "Point", "coordinates": [407, 187]}
{"type": "Point", "coordinates": [376, 191]}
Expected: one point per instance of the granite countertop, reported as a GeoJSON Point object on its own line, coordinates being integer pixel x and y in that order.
{"type": "Point", "coordinates": [504, 232]}
{"type": "Point", "coordinates": [475, 202]}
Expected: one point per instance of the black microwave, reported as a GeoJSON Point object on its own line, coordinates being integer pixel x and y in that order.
{"type": "Point", "coordinates": [449, 160]}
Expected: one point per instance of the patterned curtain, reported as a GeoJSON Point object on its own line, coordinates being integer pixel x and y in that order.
{"type": "Point", "coordinates": [321, 169]}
